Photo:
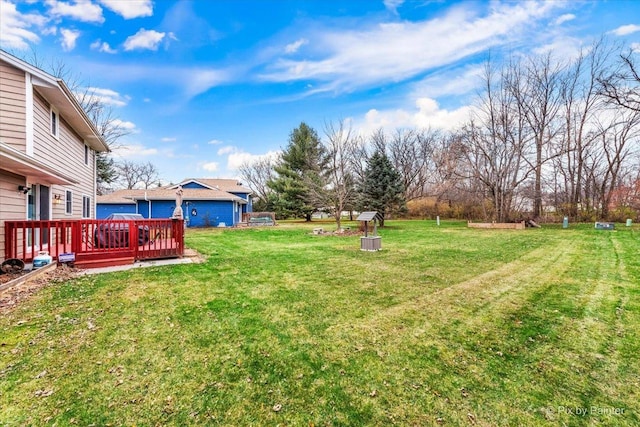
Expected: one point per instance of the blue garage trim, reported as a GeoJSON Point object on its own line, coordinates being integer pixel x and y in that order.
{"type": "Point", "coordinates": [103, 210]}
{"type": "Point", "coordinates": [195, 185]}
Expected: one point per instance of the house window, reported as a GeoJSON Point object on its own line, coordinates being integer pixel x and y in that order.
{"type": "Point", "coordinates": [55, 123]}
{"type": "Point", "coordinates": [86, 154]}
{"type": "Point", "coordinates": [86, 207]}
{"type": "Point", "coordinates": [68, 203]}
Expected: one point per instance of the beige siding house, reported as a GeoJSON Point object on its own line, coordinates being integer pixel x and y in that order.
{"type": "Point", "coordinates": [48, 148]}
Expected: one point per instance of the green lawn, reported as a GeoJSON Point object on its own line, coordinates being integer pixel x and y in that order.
{"type": "Point", "coordinates": [446, 325]}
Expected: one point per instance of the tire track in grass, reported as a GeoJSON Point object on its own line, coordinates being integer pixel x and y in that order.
{"type": "Point", "coordinates": [494, 289]}
{"type": "Point", "coordinates": [599, 349]}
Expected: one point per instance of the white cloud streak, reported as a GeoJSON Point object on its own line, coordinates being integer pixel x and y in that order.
{"type": "Point", "coordinates": [398, 51]}
{"type": "Point", "coordinates": [134, 151]}
{"type": "Point", "coordinates": [565, 18]}
{"type": "Point", "coordinates": [393, 5]}
{"type": "Point", "coordinates": [295, 46]}
{"type": "Point", "coordinates": [625, 30]}
{"type": "Point", "coordinates": [110, 97]}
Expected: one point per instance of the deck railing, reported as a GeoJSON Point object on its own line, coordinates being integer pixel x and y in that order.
{"type": "Point", "coordinates": [95, 240]}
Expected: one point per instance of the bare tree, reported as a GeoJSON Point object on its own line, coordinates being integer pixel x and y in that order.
{"type": "Point", "coordinates": [534, 85]}
{"type": "Point", "coordinates": [256, 175]}
{"type": "Point", "coordinates": [411, 153]}
{"type": "Point", "coordinates": [617, 142]}
{"type": "Point", "coordinates": [622, 86]}
{"type": "Point", "coordinates": [341, 146]}
{"type": "Point", "coordinates": [494, 143]}
{"type": "Point", "coordinates": [148, 174]}
{"type": "Point", "coordinates": [581, 105]}
{"type": "Point", "coordinates": [133, 174]}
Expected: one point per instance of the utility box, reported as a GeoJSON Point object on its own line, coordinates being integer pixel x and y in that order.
{"type": "Point", "coordinates": [605, 226]}
{"type": "Point", "coordinates": [370, 243]}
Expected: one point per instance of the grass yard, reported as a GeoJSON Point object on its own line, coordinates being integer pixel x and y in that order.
{"type": "Point", "coordinates": [446, 325]}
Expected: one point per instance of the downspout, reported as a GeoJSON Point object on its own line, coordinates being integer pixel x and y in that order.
{"type": "Point", "coordinates": [146, 199]}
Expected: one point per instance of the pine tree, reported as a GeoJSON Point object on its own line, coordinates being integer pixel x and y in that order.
{"type": "Point", "coordinates": [381, 190]}
{"type": "Point", "coordinates": [299, 185]}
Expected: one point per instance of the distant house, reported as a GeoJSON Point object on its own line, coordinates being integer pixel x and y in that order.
{"type": "Point", "coordinates": [48, 150]}
{"type": "Point", "coordinates": [205, 202]}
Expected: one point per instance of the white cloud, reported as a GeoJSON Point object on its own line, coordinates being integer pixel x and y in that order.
{"type": "Point", "coordinates": [449, 82]}
{"type": "Point", "coordinates": [101, 46]}
{"type": "Point", "coordinates": [129, 126]}
{"type": "Point", "coordinates": [236, 156]}
{"type": "Point", "coordinates": [210, 166]}
{"type": "Point", "coordinates": [131, 8]}
{"type": "Point", "coordinates": [227, 150]}
{"type": "Point", "coordinates": [562, 47]}
{"type": "Point", "coordinates": [348, 59]}
{"type": "Point", "coordinates": [69, 38]}
{"type": "Point", "coordinates": [565, 18]}
{"type": "Point", "coordinates": [239, 157]}
{"type": "Point", "coordinates": [214, 142]}
{"type": "Point", "coordinates": [50, 31]}
{"type": "Point", "coordinates": [168, 139]}
{"type": "Point", "coordinates": [110, 97]}
{"type": "Point", "coordinates": [635, 47]}
{"type": "Point", "coordinates": [625, 30]}
{"type": "Point", "coordinates": [15, 27]}
{"type": "Point", "coordinates": [81, 10]}
{"type": "Point", "coordinates": [198, 81]}
{"type": "Point", "coordinates": [135, 151]}
{"type": "Point", "coordinates": [295, 46]}
{"type": "Point", "coordinates": [144, 39]}
{"type": "Point", "coordinates": [427, 114]}
{"type": "Point", "coordinates": [393, 5]}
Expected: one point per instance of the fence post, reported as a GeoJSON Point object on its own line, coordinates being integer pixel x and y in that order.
{"type": "Point", "coordinates": [9, 238]}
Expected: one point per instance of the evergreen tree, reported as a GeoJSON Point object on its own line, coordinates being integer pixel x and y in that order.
{"type": "Point", "coordinates": [299, 185]}
{"type": "Point", "coordinates": [381, 189]}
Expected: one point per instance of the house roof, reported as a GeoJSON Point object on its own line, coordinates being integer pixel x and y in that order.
{"type": "Point", "coordinates": [120, 197]}
{"type": "Point", "coordinates": [130, 196]}
{"type": "Point", "coordinates": [19, 162]}
{"type": "Point", "coordinates": [228, 185]}
{"type": "Point", "coordinates": [58, 94]}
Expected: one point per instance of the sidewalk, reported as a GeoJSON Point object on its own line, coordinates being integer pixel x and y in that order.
{"type": "Point", "coordinates": [140, 264]}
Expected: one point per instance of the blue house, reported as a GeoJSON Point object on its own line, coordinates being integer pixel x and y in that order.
{"type": "Point", "coordinates": [205, 202]}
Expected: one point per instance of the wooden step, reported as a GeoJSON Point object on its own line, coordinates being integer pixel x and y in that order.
{"type": "Point", "coordinates": [106, 262]}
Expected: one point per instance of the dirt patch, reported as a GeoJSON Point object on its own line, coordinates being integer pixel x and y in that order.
{"type": "Point", "coordinates": [344, 233]}
{"type": "Point", "coordinates": [195, 256]}
{"type": "Point", "coordinates": [7, 277]}
{"type": "Point", "coordinates": [10, 298]}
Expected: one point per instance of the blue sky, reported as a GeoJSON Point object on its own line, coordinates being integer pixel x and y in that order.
{"type": "Point", "coordinates": [205, 85]}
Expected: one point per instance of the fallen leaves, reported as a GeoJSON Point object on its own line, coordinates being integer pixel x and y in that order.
{"type": "Point", "coordinates": [11, 297]}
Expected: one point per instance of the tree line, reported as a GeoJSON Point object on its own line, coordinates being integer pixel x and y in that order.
{"type": "Point", "coordinates": [545, 139]}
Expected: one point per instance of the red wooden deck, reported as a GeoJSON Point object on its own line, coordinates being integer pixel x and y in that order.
{"type": "Point", "coordinates": [96, 243]}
